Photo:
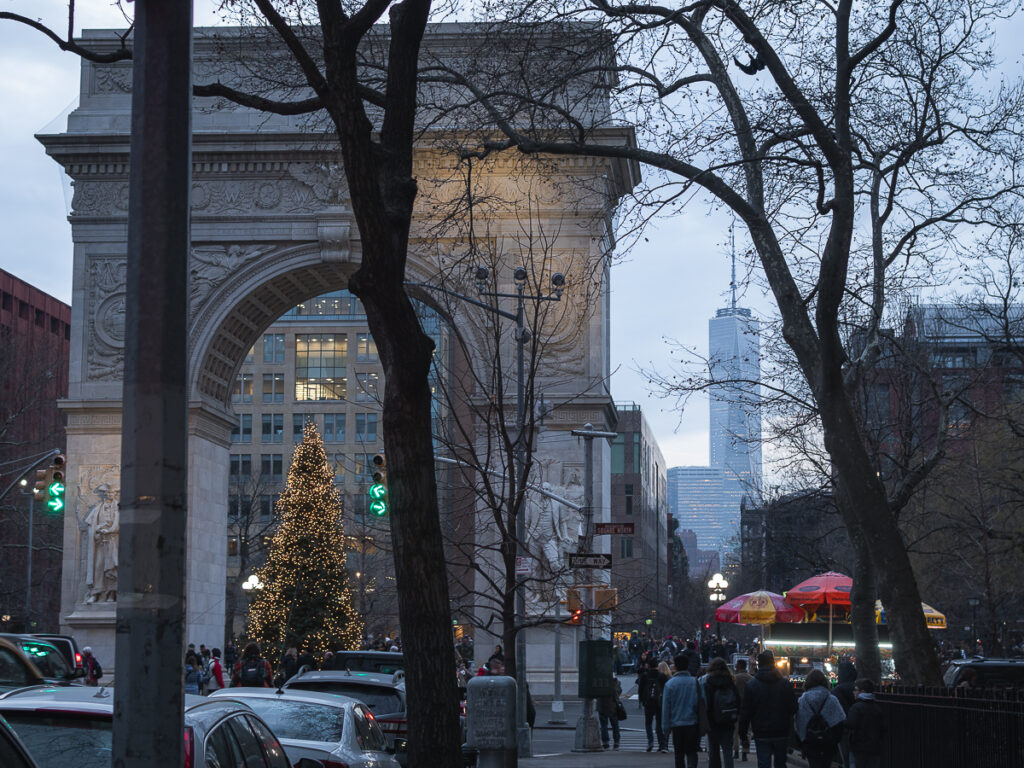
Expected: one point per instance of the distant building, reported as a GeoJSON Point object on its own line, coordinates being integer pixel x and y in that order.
{"type": "Point", "coordinates": [641, 561]}
{"type": "Point", "coordinates": [35, 332]}
{"type": "Point", "coordinates": [707, 500]}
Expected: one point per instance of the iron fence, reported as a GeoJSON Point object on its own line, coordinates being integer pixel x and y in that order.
{"type": "Point", "coordinates": [953, 727]}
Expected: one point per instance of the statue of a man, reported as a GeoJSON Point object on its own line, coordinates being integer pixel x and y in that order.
{"type": "Point", "coordinates": [103, 523]}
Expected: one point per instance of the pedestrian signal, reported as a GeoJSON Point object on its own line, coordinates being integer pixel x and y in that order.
{"type": "Point", "coordinates": [378, 492]}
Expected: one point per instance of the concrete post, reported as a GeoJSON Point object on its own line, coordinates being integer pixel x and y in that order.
{"type": "Point", "coordinates": [148, 712]}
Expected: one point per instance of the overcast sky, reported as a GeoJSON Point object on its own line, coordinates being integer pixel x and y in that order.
{"type": "Point", "coordinates": [666, 288]}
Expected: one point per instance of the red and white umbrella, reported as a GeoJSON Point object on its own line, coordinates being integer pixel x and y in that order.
{"type": "Point", "coordinates": [759, 608]}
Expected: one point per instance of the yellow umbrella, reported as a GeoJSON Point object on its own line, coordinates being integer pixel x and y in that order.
{"type": "Point", "coordinates": [933, 618]}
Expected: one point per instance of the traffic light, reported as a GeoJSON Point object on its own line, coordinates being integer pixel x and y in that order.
{"type": "Point", "coordinates": [576, 617]}
{"type": "Point", "coordinates": [56, 487]}
{"type": "Point", "coordinates": [378, 492]}
{"type": "Point", "coordinates": [41, 490]}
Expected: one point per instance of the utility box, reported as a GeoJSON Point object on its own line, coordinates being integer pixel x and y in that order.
{"type": "Point", "coordinates": [596, 667]}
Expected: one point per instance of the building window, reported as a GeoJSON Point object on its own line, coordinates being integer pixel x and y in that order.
{"type": "Point", "coordinates": [241, 468]}
{"type": "Point", "coordinates": [619, 455]}
{"type": "Point", "coordinates": [338, 461]}
{"type": "Point", "coordinates": [40, 318]}
{"type": "Point", "coordinates": [299, 425]}
{"type": "Point", "coordinates": [338, 304]}
{"type": "Point", "coordinates": [629, 498]}
{"type": "Point", "coordinates": [232, 546]}
{"type": "Point", "coordinates": [242, 431]}
{"type": "Point", "coordinates": [250, 356]}
{"type": "Point", "coordinates": [334, 427]}
{"type": "Point", "coordinates": [273, 348]}
{"type": "Point", "coordinates": [273, 428]}
{"type": "Point", "coordinates": [359, 504]}
{"type": "Point", "coordinates": [366, 391]}
{"type": "Point", "coordinates": [366, 348]}
{"type": "Point", "coordinates": [626, 547]}
{"type": "Point", "coordinates": [271, 465]}
{"type": "Point", "coordinates": [273, 388]}
{"type": "Point", "coordinates": [366, 427]}
{"type": "Point", "coordinates": [320, 372]}
{"type": "Point", "coordinates": [242, 390]}
{"type": "Point", "coordinates": [266, 507]}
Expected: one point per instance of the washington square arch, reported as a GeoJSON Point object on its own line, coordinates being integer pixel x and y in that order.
{"type": "Point", "coordinates": [271, 228]}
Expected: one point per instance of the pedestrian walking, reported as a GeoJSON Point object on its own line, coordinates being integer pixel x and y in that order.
{"type": "Point", "coordinates": [866, 726]}
{"type": "Point", "coordinates": [769, 704]}
{"type": "Point", "coordinates": [193, 674]}
{"type": "Point", "coordinates": [290, 663]}
{"type": "Point", "coordinates": [692, 658]}
{"type": "Point", "coordinates": [216, 681]}
{"type": "Point", "coordinates": [723, 702]}
{"type": "Point", "coordinates": [636, 649]}
{"type": "Point", "coordinates": [93, 670]}
{"type": "Point", "coordinates": [819, 721]}
{"type": "Point", "coordinates": [650, 685]}
{"type": "Point", "coordinates": [680, 713]}
{"type": "Point", "coordinates": [741, 742]}
{"type": "Point", "coordinates": [846, 682]}
{"type": "Point", "coordinates": [608, 712]}
{"type": "Point", "coordinates": [230, 655]}
{"type": "Point", "coordinates": [252, 670]}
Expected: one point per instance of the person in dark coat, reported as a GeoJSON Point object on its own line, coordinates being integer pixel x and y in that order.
{"type": "Point", "coordinates": [290, 663]}
{"type": "Point", "coordinates": [742, 677]}
{"type": "Point", "coordinates": [650, 684]}
{"type": "Point", "coordinates": [866, 726]}
{"type": "Point", "coordinates": [692, 658]}
{"type": "Point", "coordinates": [847, 680]}
{"type": "Point", "coordinates": [769, 704]}
{"type": "Point", "coordinates": [607, 712]}
{"type": "Point", "coordinates": [721, 724]}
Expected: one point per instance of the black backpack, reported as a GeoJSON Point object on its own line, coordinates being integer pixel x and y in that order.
{"type": "Point", "coordinates": [254, 673]}
{"type": "Point", "coordinates": [818, 734]}
{"type": "Point", "coordinates": [725, 705]}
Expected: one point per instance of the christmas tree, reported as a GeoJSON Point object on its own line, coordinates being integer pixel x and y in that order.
{"type": "Point", "coordinates": [305, 600]}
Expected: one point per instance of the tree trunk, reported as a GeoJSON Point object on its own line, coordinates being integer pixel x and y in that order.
{"type": "Point", "coordinates": [862, 610]}
{"type": "Point", "coordinates": [865, 508]}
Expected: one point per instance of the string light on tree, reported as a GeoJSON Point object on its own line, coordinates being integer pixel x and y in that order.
{"type": "Point", "coordinates": [306, 600]}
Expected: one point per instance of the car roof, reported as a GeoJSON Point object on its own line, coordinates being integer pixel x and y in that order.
{"type": "Point", "coordinates": [309, 697]}
{"type": "Point", "coordinates": [82, 699]}
{"type": "Point", "coordinates": [344, 676]}
{"type": "Point", "coordinates": [390, 655]}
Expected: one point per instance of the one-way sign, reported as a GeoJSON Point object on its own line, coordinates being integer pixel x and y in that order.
{"type": "Point", "coordinates": [597, 560]}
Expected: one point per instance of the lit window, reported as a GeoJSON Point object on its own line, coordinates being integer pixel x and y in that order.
{"type": "Point", "coordinates": [242, 390]}
{"type": "Point", "coordinates": [232, 546]}
{"type": "Point", "coordinates": [338, 460]}
{"type": "Point", "coordinates": [366, 348]}
{"type": "Point", "coordinates": [273, 388]}
{"type": "Point", "coordinates": [367, 387]}
{"type": "Point", "coordinates": [320, 372]}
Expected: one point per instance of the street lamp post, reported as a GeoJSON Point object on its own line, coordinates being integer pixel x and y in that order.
{"type": "Point", "coordinates": [717, 585]}
{"type": "Point", "coordinates": [974, 603]}
{"type": "Point", "coordinates": [28, 576]}
{"type": "Point", "coordinates": [520, 275]}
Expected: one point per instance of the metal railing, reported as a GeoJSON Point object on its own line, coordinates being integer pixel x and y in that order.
{"type": "Point", "coordinates": [953, 727]}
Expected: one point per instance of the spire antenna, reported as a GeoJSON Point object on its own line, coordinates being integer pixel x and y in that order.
{"type": "Point", "coordinates": [732, 284]}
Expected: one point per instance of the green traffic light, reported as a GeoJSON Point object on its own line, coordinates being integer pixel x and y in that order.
{"type": "Point", "coordinates": [378, 508]}
{"type": "Point", "coordinates": [56, 504]}
{"type": "Point", "coordinates": [56, 488]}
{"type": "Point", "coordinates": [378, 491]}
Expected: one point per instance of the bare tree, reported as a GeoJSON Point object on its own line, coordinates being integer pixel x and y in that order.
{"type": "Point", "coordinates": [852, 140]}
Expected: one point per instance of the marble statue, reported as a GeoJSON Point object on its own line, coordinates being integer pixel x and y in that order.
{"type": "Point", "coordinates": [103, 523]}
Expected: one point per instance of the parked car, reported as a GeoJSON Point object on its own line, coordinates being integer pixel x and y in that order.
{"type": "Point", "coordinates": [16, 669]}
{"type": "Point", "coordinates": [67, 645]}
{"type": "Point", "coordinates": [70, 727]}
{"type": "Point", "coordinates": [46, 657]}
{"type": "Point", "coordinates": [381, 662]}
{"type": "Point", "coordinates": [989, 673]}
{"type": "Point", "coordinates": [383, 694]}
{"type": "Point", "coordinates": [333, 730]}
{"type": "Point", "coordinates": [12, 752]}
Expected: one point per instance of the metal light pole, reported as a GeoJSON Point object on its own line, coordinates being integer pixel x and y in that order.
{"type": "Point", "coordinates": [974, 602]}
{"type": "Point", "coordinates": [588, 737]}
{"type": "Point", "coordinates": [717, 585]}
{"type": "Point", "coordinates": [520, 275]}
{"type": "Point", "coordinates": [28, 577]}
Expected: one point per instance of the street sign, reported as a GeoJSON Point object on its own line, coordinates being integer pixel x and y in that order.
{"type": "Point", "coordinates": [524, 565]}
{"type": "Point", "coordinates": [613, 529]}
{"type": "Point", "coordinates": [597, 560]}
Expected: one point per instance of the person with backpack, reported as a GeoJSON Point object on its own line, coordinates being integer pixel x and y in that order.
{"type": "Point", "coordinates": [650, 685]}
{"type": "Point", "coordinates": [93, 670]}
{"type": "Point", "coordinates": [193, 674]}
{"type": "Point", "coordinates": [866, 726]}
{"type": "Point", "coordinates": [819, 721]}
{"type": "Point", "coordinates": [723, 700]}
{"type": "Point", "coordinates": [216, 680]}
{"type": "Point", "coordinates": [252, 670]}
{"type": "Point", "coordinates": [769, 704]}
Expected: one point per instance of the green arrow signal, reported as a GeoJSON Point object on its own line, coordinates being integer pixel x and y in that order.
{"type": "Point", "coordinates": [56, 504]}
{"type": "Point", "coordinates": [378, 508]}
{"type": "Point", "coordinates": [378, 491]}
{"type": "Point", "coordinates": [56, 489]}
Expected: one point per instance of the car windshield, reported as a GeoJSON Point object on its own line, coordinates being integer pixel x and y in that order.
{"type": "Point", "coordinates": [48, 660]}
{"type": "Point", "coordinates": [299, 720]}
{"type": "Point", "coordinates": [63, 740]}
{"type": "Point", "coordinates": [380, 699]}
